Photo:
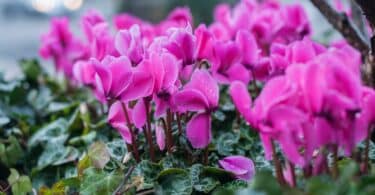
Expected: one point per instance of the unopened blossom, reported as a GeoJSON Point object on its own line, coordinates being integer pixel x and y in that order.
{"type": "Point", "coordinates": [243, 168]}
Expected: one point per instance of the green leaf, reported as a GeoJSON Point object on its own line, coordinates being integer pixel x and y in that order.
{"type": "Point", "coordinates": [206, 184]}
{"type": "Point", "coordinates": [4, 120]}
{"type": "Point", "coordinates": [220, 174]}
{"type": "Point", "coordinates": [99, 154]}
{"type": "Point", "coordinates": [174, 181]}
{"type": "Point", "coordinates": [83, 164]}
{"type": "Point", "coordinates": [56, 130]}
{"type": "Point", "coordinates": [11, 153]}
{"type": "Point", "coordinates": [57, 154]}
{"type": "Point", "coordinates": [31, 69]}
{"type": "Point", "coordinates": [148, 171]}
{"type": "Point", "coordinates": [117, 149]}
{"type": "Point", "coordinates": [225, 143]}
{"type": "Point", "coordinates": [265, 182]}
{"type": "Point", "coordinates": [20, 184]}
{"type": "Point", "coordinates": [99, 182]}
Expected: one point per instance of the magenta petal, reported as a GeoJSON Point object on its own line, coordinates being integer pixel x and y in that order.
{"type": "Point", "coordinates": [139, 114]}
{"type": "Point", "coordinates": [170, 70]}
{"type": "Point", "coordinates": [141, 86]}
{"type": "Point", "coordinates": [124, 131]}
{"type": "Point", "coordinates": [198, 130]}
{"type": "Point", "coordinates": [248, 46]}
{"type": "Point", "coordinates": [241, 99]}
{"type": "Point", "coordinates": [190, 100]}
{"type": "Point", "coordinates": [202, 80]}
{"type": "Point", "coordinates": [238, 72]}
{"type": "Point", "coordinates": [116, 113]}
{"type": "Point", "coordinates": [160, 137]}
{"type": "Point", "coordinates": [241, 166]}
{"type": "Point", "coordinates": [121, 75]}
{"type": "Point", "coordinates": [103, 78]}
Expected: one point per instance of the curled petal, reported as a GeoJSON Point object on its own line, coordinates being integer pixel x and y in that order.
{"type": "Point", "coordinates": [241, 166]}
{"type": "Point", "coordinates": [190, 100]}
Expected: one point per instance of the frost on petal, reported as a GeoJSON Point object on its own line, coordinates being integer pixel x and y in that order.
{"type": "Point", "coordinates": [198, 130]}
{"type": "Point", "coordinates": [241, 166]}
{"type": "Point", "coordinates": [201, 80]}
{"type": "Point", "coordinates": [190, 100]}
{"type": "Point", "coordinates": [160, 137]}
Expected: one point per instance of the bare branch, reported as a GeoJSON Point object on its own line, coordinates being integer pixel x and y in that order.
{"type": "Point", "coordinates": [359, 19]}
{"type": "Point", "coordinates": [368, 8]}
{"type": "Point", "coordinates": [342, 24]}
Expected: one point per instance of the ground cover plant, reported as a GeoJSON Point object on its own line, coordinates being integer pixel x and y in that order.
{"type": "Point", "coordinates": [248, 104]}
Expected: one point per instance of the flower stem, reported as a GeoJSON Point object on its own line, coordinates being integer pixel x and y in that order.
{"type": "Point", "coordinates": [169, 131]}
{"type": "Point", "coordinates": [292, 173]}
{"type": "Point", "coordinates": [206, 152]}
{"type": "Point", "coordinates": [277, 164]}
{"type": "Point", "coordinates": [134, 142]}
{"type": "Point", "coordinates": [335, 169]}
{"type": "Point", "coordinates": [148, 131]}
{"type": "Point", "coordinates": [178, 117]}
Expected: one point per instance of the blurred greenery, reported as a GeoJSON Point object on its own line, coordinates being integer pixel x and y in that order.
{"type": "Point", "coordinates": [157, 10]}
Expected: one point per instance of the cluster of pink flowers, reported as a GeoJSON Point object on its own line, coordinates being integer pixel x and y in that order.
{"type": "Point", "coordinates": [312, 98]}
{"type": "Point", "coordinates": [318, 103]}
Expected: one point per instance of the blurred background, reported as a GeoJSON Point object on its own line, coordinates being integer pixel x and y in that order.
{"type": "Point", "coordinates": [23, 21]}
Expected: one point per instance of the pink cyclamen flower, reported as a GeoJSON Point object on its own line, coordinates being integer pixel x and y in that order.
{"type": "Point", "coordinates": [164, 69]}
{"type": "Point", "coordinates": [243, 168]}
{"type": "Point", "coordinates": [113, 75]}
{"type": "Point", "coordinates": [90, 19]}
{"type": "Point", "coordinates": [200, 95]}
{"type": "Point", "coordinates": [129, 43]}
{"type": "Point", "coordinates": [84, 72]}
{"type": "Point", "coordinates": [226, 64]}
{"type": "Point", "coordinates": [60, 45]}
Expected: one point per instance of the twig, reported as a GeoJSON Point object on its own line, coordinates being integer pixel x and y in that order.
{"type": "Point", "coordinates": [126, 177]}
{"type": "Point", "coordinates": [342, 24]}
{"type": "Point", "coordinates": [145, 192]}
{"type": "Point", "coordinates": [277, 164]}
{"type": "Point", "coordinates": [359, 19]}
{"type": "Point", "coordinates": [134, 141]}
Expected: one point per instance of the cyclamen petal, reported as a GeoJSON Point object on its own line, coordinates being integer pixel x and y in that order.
{"type": "Point", "coordinates": [241, 99]}
{"type": "Point", "coordinates": [141, 86]}
{"type": "Point", "coordinates": [198, 130]}
{"type": "Point", "coordinates": [160, 137]}
{"type": "Point", "coordinates": [190, 100]}
{"type": "Point", "coordinates": [241, 166]}
{"type": "Point", "coordinates": [201, 80]}
{"type": "Point", "coordinates": [139, 114]}
{"type": "Point", "coordinates": [124, 132]}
